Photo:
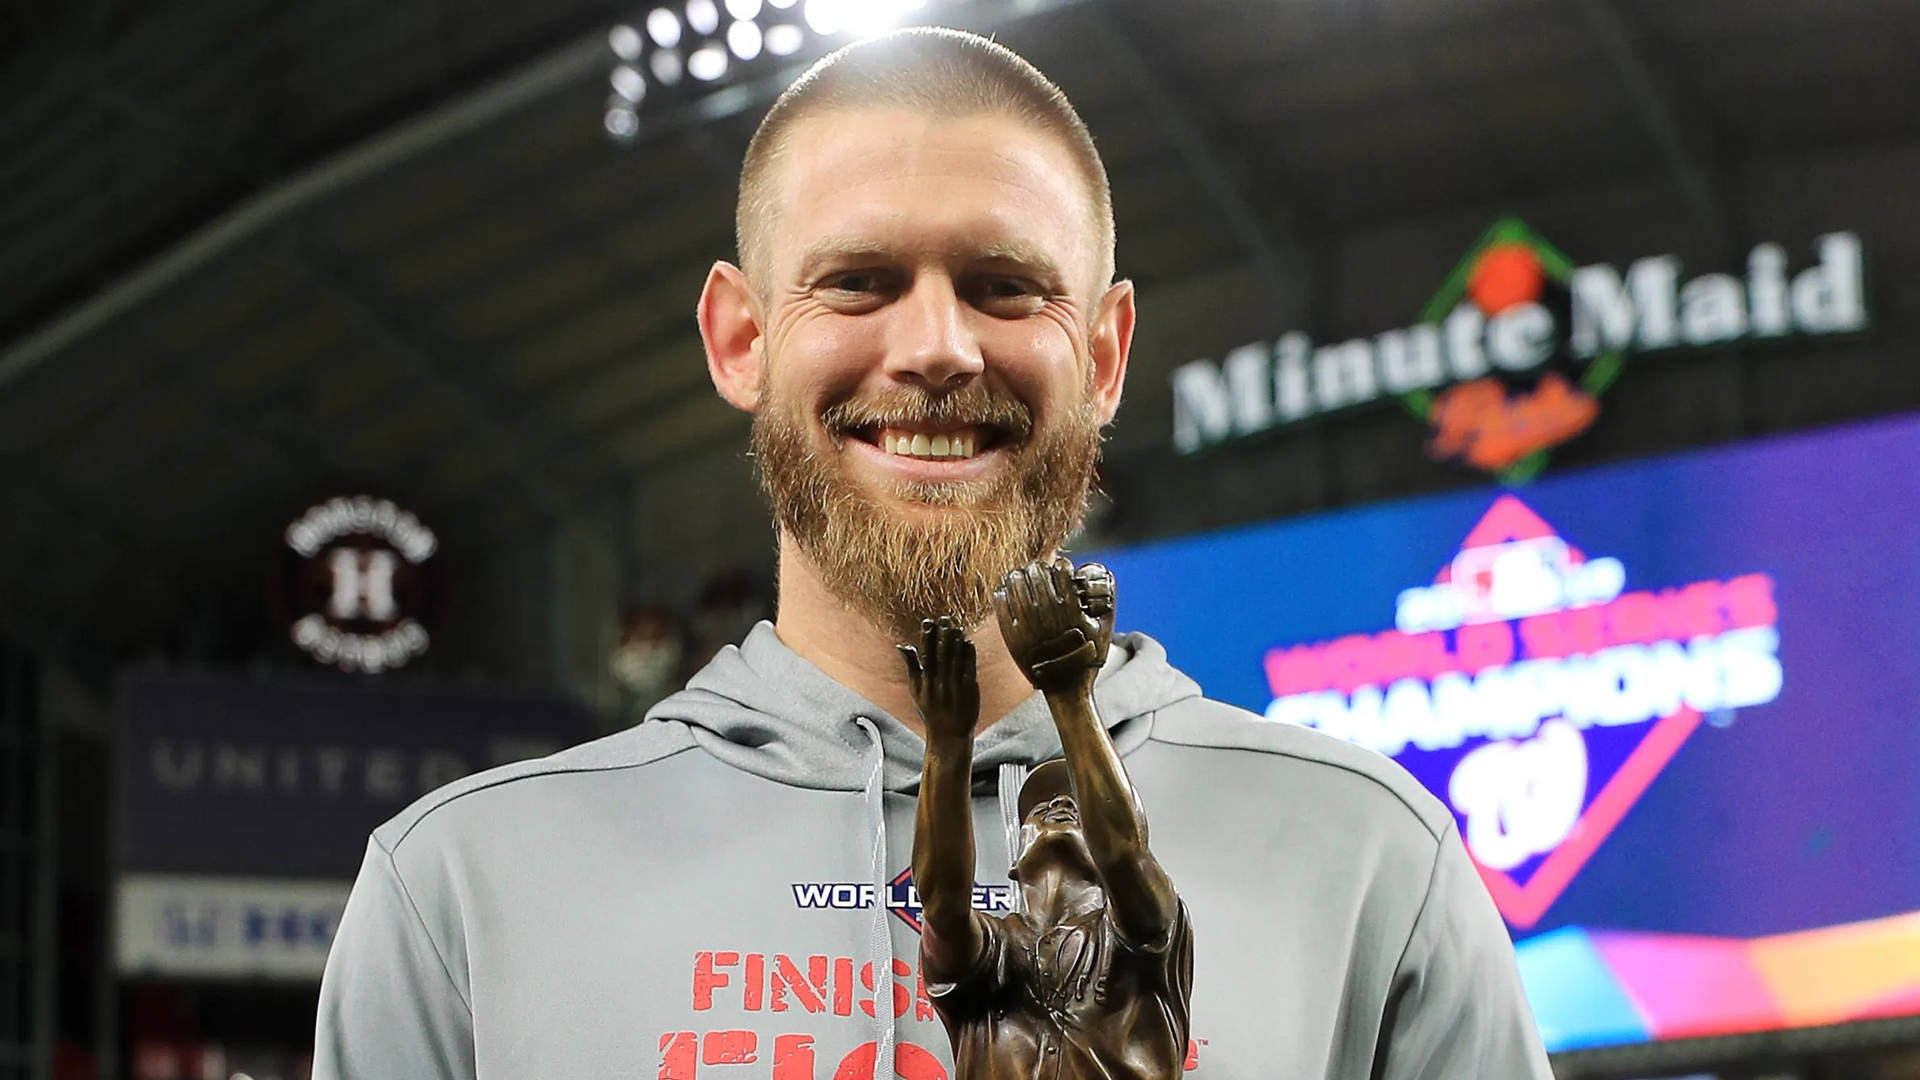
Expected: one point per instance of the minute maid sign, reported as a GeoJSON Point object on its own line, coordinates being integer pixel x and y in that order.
{"type": "Point", "coordinates": [1511, 356]}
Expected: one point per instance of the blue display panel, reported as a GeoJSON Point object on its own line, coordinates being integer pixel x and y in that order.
{"type": "Point", "coordinates": [1672, 705]}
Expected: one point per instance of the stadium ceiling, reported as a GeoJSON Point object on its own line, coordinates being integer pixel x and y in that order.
{"type": "Point", "coordinates": [257, 253]}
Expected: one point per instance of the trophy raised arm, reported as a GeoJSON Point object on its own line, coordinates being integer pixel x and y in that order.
{"type": "Point", "coordinates": [1092, 976]}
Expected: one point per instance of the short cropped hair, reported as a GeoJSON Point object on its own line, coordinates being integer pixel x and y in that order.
{"type": "Point", "coordinates": [931, 70]}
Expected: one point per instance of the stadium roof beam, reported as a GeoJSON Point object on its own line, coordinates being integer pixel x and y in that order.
{"type": "Point", "coordinates": [168, 126]}
{"type": "Point", "coordinates": [627, 279]}
{"type": "Point", "coordinates": [578, 443]}
{"type": "Point", "coordinates": [272, 204]}
{"type": "Point", "coordinates": [1686, 146]}
{"type": "Point", "coordinates": [235, 423]}
{"type": "Point", "coordinates": [294, 452]}
{"type": "Point", "coordinates": [474, 412]}
{"type": "Point", "coordinates": [1193, 145]}
{"type": "Point", "coordinates": [564, 68]}
{"type": "Point", "coordinates": [607, 485]}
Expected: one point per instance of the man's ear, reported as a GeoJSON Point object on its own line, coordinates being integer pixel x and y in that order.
{"type": "Point", "coordinates": [1110, 345]}
{"type": "Point", "coordinates": [730, 327]}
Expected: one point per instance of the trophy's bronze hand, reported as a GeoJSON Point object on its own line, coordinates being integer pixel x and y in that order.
{"type": "Point", "coordinates": [1093, 585]}
{"type": "Point", "coordinates": [941, 675]}
{"type": "Point", "coordinates": [1056, 643]}
{"type": "Point", "coordinates": [1057, 624]}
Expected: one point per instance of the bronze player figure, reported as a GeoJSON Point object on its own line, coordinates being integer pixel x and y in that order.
{"type": "Point", "coordinates": [1091, 977]}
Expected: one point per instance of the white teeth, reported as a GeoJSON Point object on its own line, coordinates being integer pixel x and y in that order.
{"type": "Point", "coordinates": [957, 446]}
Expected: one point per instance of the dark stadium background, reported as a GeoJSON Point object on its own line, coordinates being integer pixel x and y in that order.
{"type": "Point", "coordinates": [255, 256]}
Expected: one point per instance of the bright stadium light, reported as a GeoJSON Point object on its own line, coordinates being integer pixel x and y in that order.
{"type": "Point", "coordinates": [663, 27]}
{"type": "Point", "coordinates": [744, 39]}
{"type": "Point", "coordinates": [707, 63]}
{"type": "Point", "coordinates": [625, 42]}
{"type": "Point", "coordinates": [823, 16]}
{"type": "Point", "coordinates": [785, 39]}
{"type": "Point", "coordinates": [621, 122]}
{"type": "Point", "coordinates": [629, 83]}
{"type": "Point", "coordinates": [873, 16]}
{"type": "Point", "coordinates": [666, 67]}
{"type": "Point", "coordinates": [719, 41]}
{"type": "Point", "coordinates": [702, 16]}
{"type": "Point", "coordinates": [858, 17]}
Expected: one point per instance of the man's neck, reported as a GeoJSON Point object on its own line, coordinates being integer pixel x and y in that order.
{"type": "Point", "coordinates": [862, 657]}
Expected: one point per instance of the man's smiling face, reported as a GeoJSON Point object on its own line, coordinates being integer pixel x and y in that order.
{"type": "Point", "coordinates": [936, 355]}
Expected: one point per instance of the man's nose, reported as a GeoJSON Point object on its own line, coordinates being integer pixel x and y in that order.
{"type": "Point", "coordinates": [931, 342]}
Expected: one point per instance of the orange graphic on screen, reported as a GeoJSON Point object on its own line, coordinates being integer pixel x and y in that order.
{"type": "Point", "coordinates": [1507, 274]}
{"type": "Point", "coordinates": [1479, 423]}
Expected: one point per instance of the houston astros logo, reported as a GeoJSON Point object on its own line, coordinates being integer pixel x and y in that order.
{"type": "Point", "coordinates": [1535, 693]}
{"type": "Point", "coordinates": [359, 584]}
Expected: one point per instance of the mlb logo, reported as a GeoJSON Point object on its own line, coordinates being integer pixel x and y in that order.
{"type": "Point", "coordinates": [1511, 580]}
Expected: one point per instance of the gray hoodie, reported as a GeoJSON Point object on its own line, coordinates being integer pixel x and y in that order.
{"type": "Point", "coordinates": [695, 897]}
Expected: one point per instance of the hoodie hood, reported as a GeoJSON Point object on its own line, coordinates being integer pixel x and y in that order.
{"type": "Point", "coordinates": [761, 707]}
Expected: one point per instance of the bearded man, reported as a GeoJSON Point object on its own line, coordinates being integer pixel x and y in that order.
{"type": "Point", "coordinates": [925, 327]}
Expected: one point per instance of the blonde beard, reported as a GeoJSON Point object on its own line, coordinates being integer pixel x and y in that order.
{"type": "Point", "coordinates": [897, 565]}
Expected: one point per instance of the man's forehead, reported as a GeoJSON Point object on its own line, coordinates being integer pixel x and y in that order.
{"type": "Point", "coordinates": [891, 131]}
{"type": "Point", "coordinates": [858, 179]}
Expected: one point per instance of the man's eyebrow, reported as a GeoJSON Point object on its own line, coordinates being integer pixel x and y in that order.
{"type": "Point", "coordinates": [1027, 257]}
{"type": "Point", "coordinates": [839, 250]}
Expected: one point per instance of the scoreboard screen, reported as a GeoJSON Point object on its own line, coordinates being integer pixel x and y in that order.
{"type": "Point", "coordinates": [1674, 706]}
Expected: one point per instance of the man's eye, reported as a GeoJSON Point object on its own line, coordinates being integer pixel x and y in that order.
{"type": "Point", "coordinates": [853, 283]}
{"type": "Point", "coordinates": [1008, 294]}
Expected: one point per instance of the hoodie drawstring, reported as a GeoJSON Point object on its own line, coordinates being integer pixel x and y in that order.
{"type": "Point", "coordinates": [1013, 776]}
{"type": "Point", "coordinates": [880, 944]}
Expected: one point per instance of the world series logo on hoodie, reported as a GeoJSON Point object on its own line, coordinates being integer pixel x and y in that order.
{"type": "Point", "coordinates": [902, 899]}
{"type": "Point", "coordinates": [1536, 693]}
{"type": "Point", "coordinates": [1511, 356]}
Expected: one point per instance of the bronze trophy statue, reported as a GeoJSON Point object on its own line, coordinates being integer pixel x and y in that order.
{"type": "Point", "coordinates": [1090, 977]}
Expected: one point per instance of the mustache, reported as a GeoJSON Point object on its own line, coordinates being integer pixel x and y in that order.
{"type": "Point", "coordinates": [973, 404]}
